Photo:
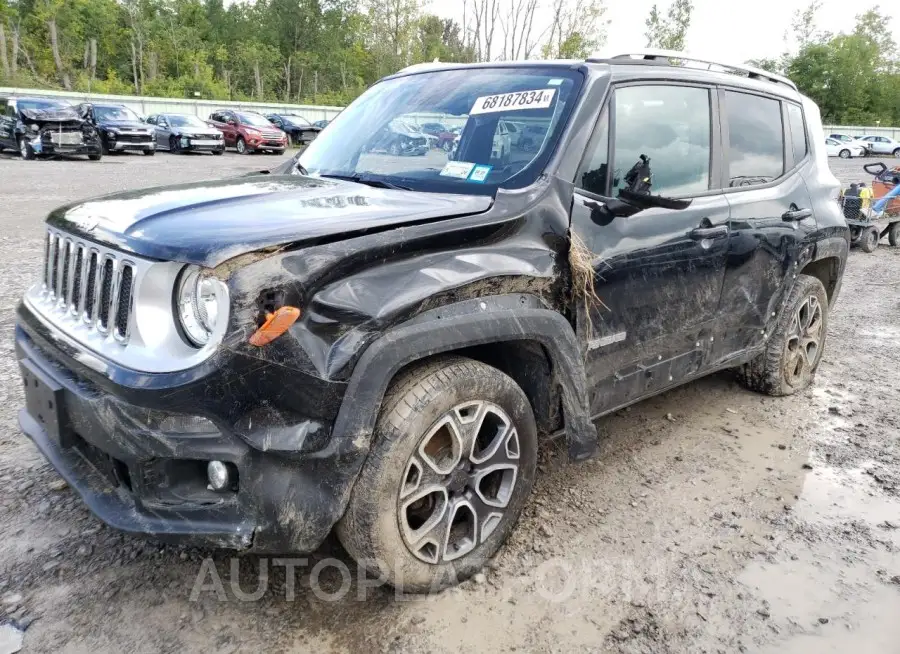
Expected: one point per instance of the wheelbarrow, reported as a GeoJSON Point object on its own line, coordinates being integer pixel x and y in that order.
{"type": "Point", "coordinates": [864, 215]}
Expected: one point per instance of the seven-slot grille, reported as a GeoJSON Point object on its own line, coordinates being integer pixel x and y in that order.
{"type": "Point", "coordinates": [92, 284]}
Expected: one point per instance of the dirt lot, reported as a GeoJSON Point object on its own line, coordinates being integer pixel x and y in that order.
{"type": "Point", "coordinates": [715, 520]}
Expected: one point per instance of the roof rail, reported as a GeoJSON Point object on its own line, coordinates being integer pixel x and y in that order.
{"type": "Point", "coordinates": [751, 71]}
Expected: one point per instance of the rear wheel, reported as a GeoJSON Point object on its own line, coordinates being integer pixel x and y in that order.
{"type": "Point", "coordinates": [897, 153]}
{"type": "Point", "coordinates": [844, 154]}
{"type": "Point", "coordinates": [894, 234]}
{"type": "Point", "coordinates": [868, 240]}
{"type": "Point", "coordinates": [795, 345]}
{"type": "Point", "coordinates": [451, 466]}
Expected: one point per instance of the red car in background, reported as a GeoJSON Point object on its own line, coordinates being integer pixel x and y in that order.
{"type": "Point", "coordinates": [247, 131]}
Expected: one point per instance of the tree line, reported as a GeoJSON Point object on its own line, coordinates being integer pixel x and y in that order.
{"type": "Point", "coordinates": [329, 51]}
{"type": "Point", "coordinates": [854, 76]}
{"type": "Point", "coordinates": [321, 51]}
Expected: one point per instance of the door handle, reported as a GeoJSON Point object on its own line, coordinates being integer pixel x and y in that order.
{"type": "Point", "coordinates": [796, 214]}
{"type": "Point", "coordinates": [703, 233]}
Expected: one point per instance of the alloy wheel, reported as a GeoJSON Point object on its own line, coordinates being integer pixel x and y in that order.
{"type": "Point", "coordinates": [803, 341]}
{"type": "Point", "coordinates": [458, 483]}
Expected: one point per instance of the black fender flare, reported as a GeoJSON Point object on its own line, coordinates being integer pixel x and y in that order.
{"type": "Point", "coordinates": [453, 327]}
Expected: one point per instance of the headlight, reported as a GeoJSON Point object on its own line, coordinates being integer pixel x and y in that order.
{"type": "Point", "coordinates": [200, 301]}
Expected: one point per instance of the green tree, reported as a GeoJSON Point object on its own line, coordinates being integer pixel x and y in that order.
{"type": "Point", "coordinates": [669, 32]}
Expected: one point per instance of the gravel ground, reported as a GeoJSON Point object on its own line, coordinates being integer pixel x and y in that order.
{"type": "Point", "coordinates": [715, 520]}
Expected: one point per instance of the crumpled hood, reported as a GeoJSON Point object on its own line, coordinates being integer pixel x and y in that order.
{"type": "Point", "coordinates": [58, 115]}
{"type": "Point", "coordinates": [210, 222]}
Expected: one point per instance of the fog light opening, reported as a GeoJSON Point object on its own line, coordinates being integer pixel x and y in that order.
{"type": "Point", "coordinates": [221, 476]}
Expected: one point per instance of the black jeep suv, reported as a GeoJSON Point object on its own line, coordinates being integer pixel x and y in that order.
{"type": "Point", "coordinates": [376, 344]}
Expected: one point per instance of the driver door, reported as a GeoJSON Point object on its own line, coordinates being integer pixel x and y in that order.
{"type": "Point", "coordinates": [659, 272]}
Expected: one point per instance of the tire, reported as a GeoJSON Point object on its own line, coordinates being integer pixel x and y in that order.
{"type": "Point", "coordinates": [844, 154]}
{"type": "Point", "coordinates": [104, 146]}
{"type": "Point", "coordinates": [25, 149]}
{"type": "Point", "coordinates": [149, 153]}
{"type": "Point", "coordinates": [241, 146]}
{"type": "Point", "coordinates": [419, 412]}
{"type": "Point", "coordinates": [894, 234]}
{"type": "Point", "coordinates": [219, 152]}
{"type": "Point", "coordinates": [783, 368]}
{"type": "Point", "coordinates": [868, 240]}
{"type": "Point", "coordinates": [394, 149]}
{"type": "Point", "coordinates": [95, 157]}
{"type": "Point", "coordinates": [174, 148]}
{"type": "Point", "coordinates": [897, 153]}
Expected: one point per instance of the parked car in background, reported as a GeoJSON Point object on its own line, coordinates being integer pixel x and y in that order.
{"type": "Point", "coordinates": [321, 124]}
{"type": "Point", "coordinates": [300, 131]}
{"type": "Point", "coordinates": [854, 140]}
{"type": "Point", "coordinates": [179, 133]}
{"type": "Point", "coordinates": [882, 145]}
{"type": "Point", "coordinates": [41, 126]}
{"type": "Point", "coordinates": [502, 144]}
{"type": "Point", "coordinates": [836, 148]}
{"type": "Point", "coordinates": [402, 138]}
{"type": "Point", "coordinates": [248, 131]}
{"type": "Point", "coordinates": [515, 131]}
{"type": "Point", "coordinates": [120, 128]}
{"type": "Point", "coordinates": [444, 135]}
{"type": "Point", "coordinates": [532, 137]}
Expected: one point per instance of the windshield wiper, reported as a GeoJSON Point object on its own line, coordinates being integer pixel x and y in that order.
{"type": "Point", "coordinates": [369, 181]}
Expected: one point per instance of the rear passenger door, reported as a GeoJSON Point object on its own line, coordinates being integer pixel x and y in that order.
{"type": "Point", "coordinates": [766, 154]}
{"type": "Point", "coordinates": [658, 273]}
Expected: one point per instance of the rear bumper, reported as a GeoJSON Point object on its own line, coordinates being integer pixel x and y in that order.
{"type": "Point", "coordinates": [139, 475]}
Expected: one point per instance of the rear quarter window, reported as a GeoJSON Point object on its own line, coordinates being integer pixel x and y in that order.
{"type": "Point", "coordinates": [798, 132]}
{"type": "Point", "coordinates": [755, 139]}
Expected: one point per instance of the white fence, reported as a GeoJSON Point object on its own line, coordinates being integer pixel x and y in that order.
{"type": "Point", "coordinates": [146, 106]}
{"type": "Point", "coordinates": [856, 130]}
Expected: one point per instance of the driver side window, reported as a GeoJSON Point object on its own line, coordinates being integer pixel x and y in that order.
{"type": "Point", "coordinates": [669, 124]}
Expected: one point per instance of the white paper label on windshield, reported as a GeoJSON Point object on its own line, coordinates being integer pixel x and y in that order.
{"type": "Point", "coordinates": [518, 101]}
{"type": "Point", "coordinates": [458, 169]}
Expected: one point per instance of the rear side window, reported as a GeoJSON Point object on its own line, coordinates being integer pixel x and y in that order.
{"type": "Point", "coordinates": [755, 139]}
{"type": "Point", "coordinates": [798, 132]}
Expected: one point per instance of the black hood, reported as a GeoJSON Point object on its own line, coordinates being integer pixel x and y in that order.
{"type": "Point", "coordinates": [210, 222]}
{"type": "Point", "coordinates": [122, 124]}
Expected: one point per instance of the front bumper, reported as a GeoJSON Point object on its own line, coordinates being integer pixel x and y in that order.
{"type": "Point", "coordinates": [138, 477]}
{"type": "Point", "coordinates": [132, 145]}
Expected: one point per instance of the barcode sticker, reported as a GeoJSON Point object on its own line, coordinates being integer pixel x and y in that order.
{"type": "Point", "coordinates": [518, 101]}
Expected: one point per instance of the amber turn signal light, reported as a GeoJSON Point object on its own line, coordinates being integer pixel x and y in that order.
{"type": "Point", "coordinates": [275, 325]}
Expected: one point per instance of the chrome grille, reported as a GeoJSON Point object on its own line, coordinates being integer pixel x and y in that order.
{"type": "Point", "coordinates": [91, 283]}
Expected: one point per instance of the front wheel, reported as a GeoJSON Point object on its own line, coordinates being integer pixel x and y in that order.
{"type": "Point", "coordinates": [95, 157]}
{"type": "Point", "coordinates": [452, 463]}
{"type": "Point", "coordinates": [174, 146]}
{"type": "Point", "coordinates": [795, 345]}
{"type": "Point", "coordinates": [241, 146]}
{"type": "Point", "coordinates": [219, 152]}
{"type": "Point", "coordinates": [149, 153]}
{"type": "Point", "coordinates": [844, 154]}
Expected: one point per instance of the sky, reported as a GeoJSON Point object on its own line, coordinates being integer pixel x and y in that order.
{"type": "Point", "coordinates": [731, 30]}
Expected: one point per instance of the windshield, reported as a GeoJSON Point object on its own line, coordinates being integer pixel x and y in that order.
{"type": "Point", "coordinates": [253, 119]}
{"type": "Point", "coordinates": [383, 134]}
{"type": "Point", "coordinates": [115, 113]}
{"type": "Point", "coordinates": [42, 105]}
{"type": "Point", "coordinates": [184, 120]}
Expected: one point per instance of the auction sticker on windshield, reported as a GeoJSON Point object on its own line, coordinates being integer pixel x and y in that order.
{"type": "Point", "coordinates": [517, 101]}
{"type": "Point", "coordinates": [458, 169]}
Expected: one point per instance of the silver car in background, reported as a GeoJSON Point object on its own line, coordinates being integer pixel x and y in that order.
{"type": "Point", "coordinates": [179, 133]}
